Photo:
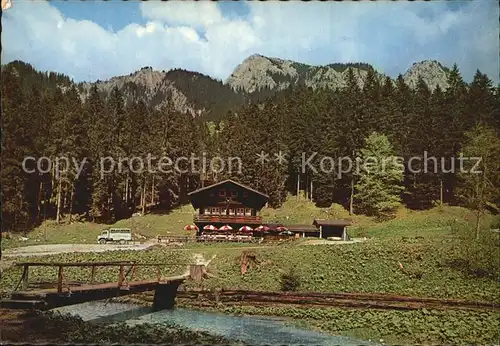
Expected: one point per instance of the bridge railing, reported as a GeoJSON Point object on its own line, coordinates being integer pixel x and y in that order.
{"type": "Point", "coordinates": [125, 268]}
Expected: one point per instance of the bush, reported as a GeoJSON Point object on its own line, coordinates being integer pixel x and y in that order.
{"type": "Point", "coordinates": [479, 258]}
{"type": "Point", "coordinates": [290, 281]}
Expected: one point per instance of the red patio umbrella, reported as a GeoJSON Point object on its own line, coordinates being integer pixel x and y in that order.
{"type": "Point", "coordinates": [262, 228]}
{"type": "Point", "coordinates": [210, 228]}
{"type": "Point", "coordinates": [190, 228]}
{"type": "Point", "coordinates": [246, 229]}
{"type": "Point", "coordinates": [226, 228]}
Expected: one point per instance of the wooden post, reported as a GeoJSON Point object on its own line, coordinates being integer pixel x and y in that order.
{"type": "Point", "coordinates": [321, 231]}
{"type": "Point", "coordinates": [60, 279]}
{"type": "Point", "coordinates": [311, 192]}
{"type": "Point", "coordinates": [158, 273]}
{"type": "Point", "coordinates": [133, 273]}
{"type": "Point", "coordinates": [121, 276]}
{"type": "Point", "coordinates": [25, 277]}
{"type": "Point", "coordinates": [92, 275]}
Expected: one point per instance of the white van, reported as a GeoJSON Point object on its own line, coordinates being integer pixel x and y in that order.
{"type": "Point", "coordinates": [121, 235]}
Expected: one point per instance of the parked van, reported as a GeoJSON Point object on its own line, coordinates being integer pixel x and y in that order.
{"type": "Point", "coordinates": [121, 235]}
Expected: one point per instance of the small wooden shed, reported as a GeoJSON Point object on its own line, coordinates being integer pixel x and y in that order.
{"type": "Point", "coordinates": [332, 228]}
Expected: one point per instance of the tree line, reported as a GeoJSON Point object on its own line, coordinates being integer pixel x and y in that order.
{"type": "Point", "coordinates": [43, 115]}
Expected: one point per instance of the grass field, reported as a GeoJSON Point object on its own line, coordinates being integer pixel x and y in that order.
{"type": "Point", "coordinates": [149, 225]}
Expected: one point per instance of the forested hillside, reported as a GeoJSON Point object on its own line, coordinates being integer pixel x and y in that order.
{"type": "Point", "coordinates": [44, 115]}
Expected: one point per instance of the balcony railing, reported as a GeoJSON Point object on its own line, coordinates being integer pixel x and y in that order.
{"type": "Point", "coordinates": [239, 219]}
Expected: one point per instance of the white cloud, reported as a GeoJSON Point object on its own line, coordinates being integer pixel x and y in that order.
{"type": "Point", "coordinates": [190, 13]}
{"type": "Point", "coordinates": [196, 36]}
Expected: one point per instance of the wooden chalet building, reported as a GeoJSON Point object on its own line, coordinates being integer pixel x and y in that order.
{"type": "Point", "coordinates": [227, 203]}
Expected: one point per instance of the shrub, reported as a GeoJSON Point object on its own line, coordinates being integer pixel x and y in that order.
{"type": "Point", "coordinates": [290, 281]}
{"type": "Point", "coordinates": [478, 257]}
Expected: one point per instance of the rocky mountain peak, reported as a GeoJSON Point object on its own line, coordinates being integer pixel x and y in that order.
{"type": "Point", "coordinates": [258, 72]}
{"type": "Point", "coordinates": [146, 77]}
{"type": "Point", "coordinates": [431, 71]}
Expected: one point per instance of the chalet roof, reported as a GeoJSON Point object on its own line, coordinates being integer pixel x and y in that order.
{"type": "Point", "coordinates": [201, 196]}
{"type": "Point", "coordinates": [338, 223]}
{"type": "Point", "coordinates": [302, 228]}
{"type": "Point", "coordinates": [225, 182]}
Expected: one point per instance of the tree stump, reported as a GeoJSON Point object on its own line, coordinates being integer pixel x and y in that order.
{"type": "Point", "coordinates": [197, 272]}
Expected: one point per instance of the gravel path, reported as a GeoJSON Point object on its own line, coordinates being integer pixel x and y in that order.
{"type": "Point", "coordinates": [53, 249]}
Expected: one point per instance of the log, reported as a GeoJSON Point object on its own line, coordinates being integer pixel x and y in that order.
{"type": "Point", "coordinates": [341, 299]}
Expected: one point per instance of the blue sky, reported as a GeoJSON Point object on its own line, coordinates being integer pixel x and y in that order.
{"type": "Point", "coordinates": [90, 40]}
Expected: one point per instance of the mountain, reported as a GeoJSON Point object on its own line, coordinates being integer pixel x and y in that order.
{"type": "Point", "coordinates": [258, 72]}
{"type": "Point", "coordinates": [431, 71]}
{"type": "Point", "coordinates": [189, 92]}
{"type": "Point", "coordinates": [255, 79]}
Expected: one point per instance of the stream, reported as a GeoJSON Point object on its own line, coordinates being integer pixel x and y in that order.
{"type": "Point", "coordinates": [254, 330]}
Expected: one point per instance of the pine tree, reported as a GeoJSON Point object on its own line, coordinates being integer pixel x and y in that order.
{"type": "Point", "coordinates": [380, 184]}
{"type": "Point", "coordinates": [481, 186]}
{"type": "Point", "coordinates": [481, 101]}
{"type": "Point", "coordinates": [352, 131]}
{"type": "Point", "coordinates": [458, 122]}
{"type": "Point", "coordinates": [14, 148]}
{"type": "Point", "coordinates": [423, 186]}
{"type": "Point", "coordinates": [100, 146]}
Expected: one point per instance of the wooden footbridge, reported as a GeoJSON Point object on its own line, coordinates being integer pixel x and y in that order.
{"type": "Point", "coordinates": [66, 293]}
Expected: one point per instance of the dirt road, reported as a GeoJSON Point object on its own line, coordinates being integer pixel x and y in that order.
{"type": "Point", "coordinates": [53, 249]}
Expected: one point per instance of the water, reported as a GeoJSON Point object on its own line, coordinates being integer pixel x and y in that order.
{"type": "Point", "coordinates": [249, 329]}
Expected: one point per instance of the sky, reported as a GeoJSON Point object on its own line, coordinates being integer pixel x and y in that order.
{"type": "Point", "coordinates": [91, 40]}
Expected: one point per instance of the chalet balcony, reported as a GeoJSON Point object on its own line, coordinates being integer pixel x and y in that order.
{"type": "Point", "coordinates": [233, 219]}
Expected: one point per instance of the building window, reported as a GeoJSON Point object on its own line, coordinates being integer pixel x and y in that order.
{"type": "Point", "coordinates": [231, 211]}
{"type": "Point", "coordinates": [240, 211]}
{"type": "Point", "coordinates": [234, 193]}
{"type": "Point", "coordinates": [248, 212]}
{"type": "Point", "coordinates": [222, 193]}
{"type": "Point", "coordinates": [215, 211]}
{"type": "Point", "coordinates": [223, 211]}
